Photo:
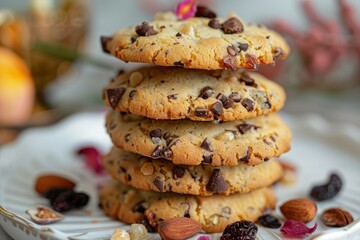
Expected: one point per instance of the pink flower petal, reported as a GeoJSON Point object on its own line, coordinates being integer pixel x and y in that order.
{"type": "Point", "coordinates": [92, 158]}
{"type": "Point", "coordinates": [203, 238]}
{"type": "Point", "coordinates": [295, 229]}
{"type": "Point", "coordinates": [186, 9]}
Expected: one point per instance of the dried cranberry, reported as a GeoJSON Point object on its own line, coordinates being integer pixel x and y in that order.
{"type": "Point", "coordinates": [328, 190]}
{"type": "Point", "coordinates": [241, 230]}
{"type": "Point", "coordinates": [269, 221]}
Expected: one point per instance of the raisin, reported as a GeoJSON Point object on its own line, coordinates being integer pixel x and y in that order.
{"type": "Point", "coordinates": [54, 192]}
{"type": "Point", "coordinates": [328, 190]}
{"type": "Point", "coordinates": [68, 200]}
{"type": "Point", "coordinates": [269, 221]}
{"type": "Point", "coordinates": [241, 230]}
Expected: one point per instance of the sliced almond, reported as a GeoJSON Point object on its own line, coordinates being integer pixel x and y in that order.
{"type": "Point", "coordinates": [44, 215]}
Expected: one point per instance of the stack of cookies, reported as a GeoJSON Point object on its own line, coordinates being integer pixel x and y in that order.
{"type": "Point", "coordinates": [194, 136]}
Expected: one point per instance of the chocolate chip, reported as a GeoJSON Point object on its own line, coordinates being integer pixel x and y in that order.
{"type": "Point", "coordinates": [213, 23]}
{"type": "Point", "coordinates": [217, 108]}
{"type": "Point", "coordinates": [206, 92]}
{"type": "Point", "coordinates": [156, 133]}
{"type": "Point", "coordinates": [246, 157]}
{"type": "Point", "coordinates": [114, 95]}
{"type": "Point", "coordinates": [228, 103]}
{"type": "Point", "coordinates": [248, 104]}
{"type": "Point", "coordinates": [178, 64]}
{"type": "Point", "coordinates": [247, 80]}
{"type": "Point", "coordinates": [156, 152]}
{"type": "Point", "coordinates": [132, 94]}
{"type": "Point", "coordinates": [230, 62]}
{"type": "Point", "coordinates": [201, 112]}
{"type": "Point", "coordinates": [206, 144]}
{"type": "Point", "coordinates": [233, 51]}
{"type": "Point", "coordinates": [266, 159]}
{"type": "Point", "coordinates": [178, 35]}
{"type": "Point", "coordinates": [166, 153]}
{"type": "Point", "coordinates": [133, 39]}
{"type": "Point", "coordinates": [172, 97]}
{"type": "Point", "coordinates": [217, 183]}
{"type": "Point", "coordinates": [243, 46]}
{"type": "Point", "coordinates": [145, 29]}
{"type": "Point", "coordinates": [202, 11]}
{"type": "Point", "coordinates": [178, 172]}
{"type": "Point", "coordinates": [207, 159]}
{"type": "Point", "coordinates": [166, 135]}
{"type": "Point", "coordinates": [244, 127]}
{"type": "Point", "coordinates": [127, 137]}
{"type": "Point", "coordinates": [232, 25]}
{"type": "Point", "coordinates": [159, 184]}
{"type": "Point", "coordinates": [235, 96]}
{"type": "Point", "coordinates": [221, 97]}
{"type": "Point", "coordinates": [139, 207]}
{"type": "Point", "coordinates": [104, 41]}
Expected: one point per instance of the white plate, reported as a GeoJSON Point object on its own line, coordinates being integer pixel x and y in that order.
{"type": "Point", "coordinates": [317, 149]}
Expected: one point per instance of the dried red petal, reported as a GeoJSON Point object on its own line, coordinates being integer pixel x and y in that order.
{"type": "Point", "coordinates": [92, 158]}
{"type": "Point", "coordinates": [295, 229]}
{"type": "Point", "coordinates": [186, 9]}
{"type": "Point", "coordinates": [203, 238]}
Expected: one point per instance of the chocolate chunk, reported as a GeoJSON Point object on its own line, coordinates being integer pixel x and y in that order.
{"type": "Point", "coordinates": [178, 172]}
{"type": "Point", "coordinates": [172, 97]}
{"type": "Point", "coordinates": [127, 137]}
{"type": "Point", "coordinates": [132, 94]}
{"type": "Point", "coordinates": [202, 11]}
{"type": "Point", "coordinates": [246, 157]}
{"type": "Point", "coordinates": [159, 184]}
{"type": "Point", "coordinates": [207, 159]}
{"type": "Point", "coordinates": [166, 135]}
{"type": "Point", "coordinates": [244, 127]}
{"type": "Point", "coordinates": [145, 29]}
{"type": "Point", "coordinates": [201, 112]}
{"type": "Point", "coordinates": [248, 104]}
{"type": "Point", "coordinates": [235, 96]}
{"type": "Point", "coordinates": [228, 103]}
{"type": "Point", "coordinates": [178, 35]}
{"type": "Point", "coordinates": [114, 95]}
{"type": "Point", "coordinates": [166, 153]}
{"type": "Point", "coordinates": [247, 80]}
{"type": "Point", "coordinates": [139, 207]}
{"type": "Point", "coordinates": [156, 152]}
{"type": "Point", "coordinates": [232, 25]}
{"type": "Point", "coordinates": [221, 97]}
{"type": "Point", "coordinates": [233, 51]}
{"type": "Point", "coordinates": [178, 64]}
{"type": "Point", "coordinates": [243, 46]}
{"type": "Point", "coordinates": [206, 92]}
{"type": "Point", "coordinates": [156, 133]}
{"type": "Point", "coordinates": [217, 108]}
{"type": "Point", "coordinates": [217, 183]}
{"type": "Point", "coordinates": [206, 144]}
{"type": "Point", "coordinates": [230, 62]}
{"type": "Point", "coordinates": [213, 23]}
{"type": "Point", "coordinates": [104, 41]}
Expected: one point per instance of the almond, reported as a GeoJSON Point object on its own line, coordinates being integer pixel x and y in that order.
{"type": "Point", "coordinates": [302, 210]}
{"type": "Point", "coordinates": [178, 228]}
{"type": "Point", "coordinates": [46, 182]}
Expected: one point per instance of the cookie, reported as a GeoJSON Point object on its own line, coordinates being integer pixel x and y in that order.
{"type": "Point", "coordinates": [251, 141]}
{"type": "Point", "coordinates": [197, 42]}
{"type": "Point", "coordinates": [162, 176]}
{"type": "Point", "coordinates": [213, 213]}
{"type": "Point", "coordinates": [174, 93]}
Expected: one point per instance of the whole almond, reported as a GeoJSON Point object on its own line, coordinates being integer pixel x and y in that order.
{"type": "Point", "coordinates": [336, 217]}
{"type": "Point", "coordinates": [46, 182]}
{"type": "Point", "coordinates": [302, 210]}
{"type": "Point", "coordinates": [178, 228]}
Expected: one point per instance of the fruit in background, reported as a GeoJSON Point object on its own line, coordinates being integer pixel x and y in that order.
{"type": "Point", "coordinates": [16, 89]}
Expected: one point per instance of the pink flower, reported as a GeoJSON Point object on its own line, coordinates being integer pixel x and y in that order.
{"type": "Point", "coordinates": [92, 158]}
{"type": "Point", "coordinates": [295, 229]}
{"type": "Point", "coordinates": [186, 9]}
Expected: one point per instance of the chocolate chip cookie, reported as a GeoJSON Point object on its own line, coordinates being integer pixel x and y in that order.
{"type": "Point", "coordinates": [214, 213]}
{"type": "Point", "coordinates": [175, 93]}
{"type": "Point", "coordinates": [162, 176]}
{"type": "Point", "coordinates": [197, 42]}
{"type": "Point", "coordinates": [250, 141]}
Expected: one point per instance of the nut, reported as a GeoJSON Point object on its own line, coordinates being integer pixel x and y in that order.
{"type": "Point", "coordinates": [225, 136]}
{"type": "Point", "coordinates": [44, 215]}
{"type": "Point", "coordinates": [178, 228]}
{"type": "Point", "coordinates": [135, 79]}
{"type": "Point", "coordinates": [187, 29]}
{"type": "Point", "coordinates": [302, 210]}
{"type": "Point", "coordinates": [46, 182]}
{"type": "Point", "coordinates": [336, 217]}
{"type": "Point", "coordinates": [120, 234]}
{"type": "Point", "coordinates": [147, 169]}
{"type": "Point", "coordinates": [138, 231]}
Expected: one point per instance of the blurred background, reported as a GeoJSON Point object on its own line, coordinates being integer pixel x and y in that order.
{"type": "Point", "coordinates": [51, 63]}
